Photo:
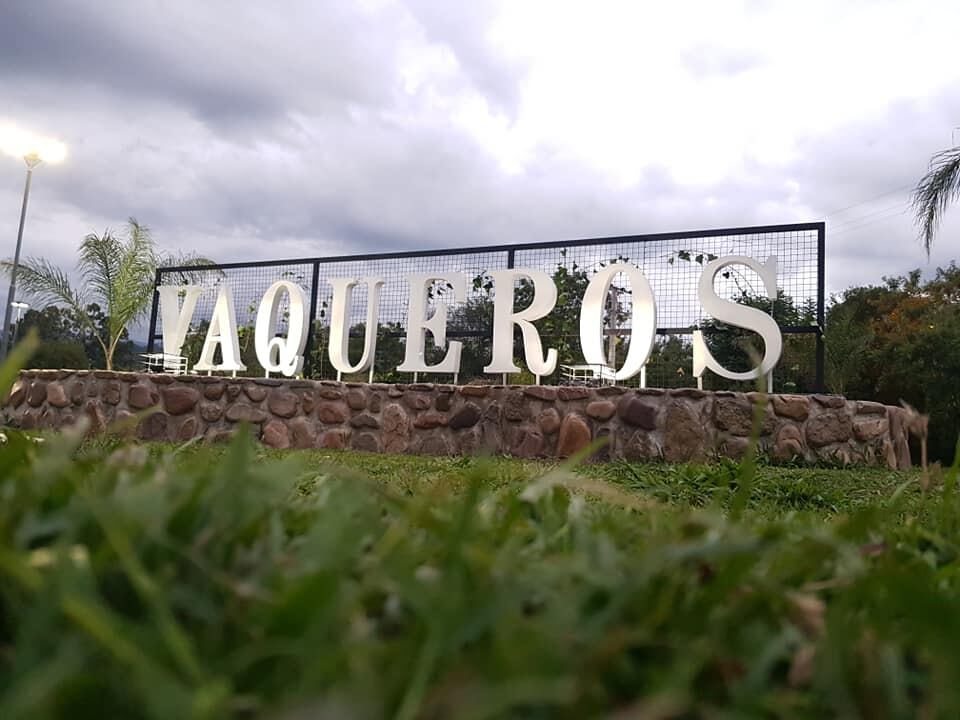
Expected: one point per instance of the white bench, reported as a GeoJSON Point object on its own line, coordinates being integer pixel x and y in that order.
{"type": "Point", "coordinates": [587, 375]}
{"type": "Point", "coordinates": [160, 362]}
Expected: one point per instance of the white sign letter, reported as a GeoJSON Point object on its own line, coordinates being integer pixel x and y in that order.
{"type": "Point", "coordinates": [340, 319]}
{"type": "Point", "coordinates": [738, 315]}
{"type": "Point", "coordinates": [277, 354]}
{"type": "Point", "coordinates": [222, 332]}
{"type": "Point", "coordinates": [644, 312]}
{"type": "Point", "coordinates": [417, 323]}
{"type": "Point", "coordinates": [176, 322]}
{"type": "Point", "coordinates": [504, 318]}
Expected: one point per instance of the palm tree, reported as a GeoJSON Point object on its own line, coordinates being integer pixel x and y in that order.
{"type": "Point", "coordinates": [117, 272]}
{"type": "Point", "coordinates": [935, 192]}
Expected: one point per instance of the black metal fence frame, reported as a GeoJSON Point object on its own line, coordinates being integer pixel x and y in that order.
{"type": "Point", "coordinates": [511, 251]}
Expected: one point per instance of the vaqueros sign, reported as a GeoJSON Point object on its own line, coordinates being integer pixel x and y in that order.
{"type": "Point", "coordinates": [284, 355]}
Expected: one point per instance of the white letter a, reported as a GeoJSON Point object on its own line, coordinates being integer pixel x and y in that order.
{"type": "Point", "coordinates": [222, 332]}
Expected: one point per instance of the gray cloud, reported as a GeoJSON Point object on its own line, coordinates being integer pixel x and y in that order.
{"type": "Point", "coordinates": [227, 64]}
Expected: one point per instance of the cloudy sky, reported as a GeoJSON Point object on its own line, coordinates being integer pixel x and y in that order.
{"type": "Point", "coordinates": [274, 130]}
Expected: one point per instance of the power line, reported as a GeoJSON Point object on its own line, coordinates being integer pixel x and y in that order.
{"type": "Point", "coordinates": [866, 202]}
{"type": "Point", "coordinates": [867, 223]}
{"type": "Point", "coordinates": [902, 206]}
{"type": "Point", "coordinates": [889, 213]}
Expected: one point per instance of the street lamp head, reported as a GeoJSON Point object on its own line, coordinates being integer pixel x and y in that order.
{"type": "Point", "coordinates": [33, 148]}
{"type": "Point", "coordinates": [19, 305]}
{"type": "Point", "coordinates": [50, 151]}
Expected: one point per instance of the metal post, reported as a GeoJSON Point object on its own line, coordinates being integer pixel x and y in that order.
{"type": "Point", "coordinates": [511, 257]}
{"type": "Point", "coordinates": [32, 162]}
{"type": "Point", "coordinates": [153, 312]}
{"type": "Point", "coordinates": [821, 320]}
{"type": "Point", "coordinates": [311, 328]}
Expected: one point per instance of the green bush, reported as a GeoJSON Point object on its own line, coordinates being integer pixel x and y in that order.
{"type": "Point", "coordinates": [901, 341]}
{"type": "Point", "coordinates": [57, 354]}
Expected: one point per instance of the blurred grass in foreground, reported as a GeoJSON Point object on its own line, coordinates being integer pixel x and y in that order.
{"type": "Point", "coordinates": [184, 582]}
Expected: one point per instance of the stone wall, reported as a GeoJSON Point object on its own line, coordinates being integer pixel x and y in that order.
{"type": "Point", "coordinates": [423, 418]}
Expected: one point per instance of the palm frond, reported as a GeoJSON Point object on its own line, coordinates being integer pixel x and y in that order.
{"type": "Point", "coordinates": [935, 192]}
{"type": "Point", "coordinates": [99, 263]}
{"type": "Point", "coordinates": [133, 283]}
{"type": "Point", "coordinates": [48, 284]}
{"type": "Point", "coordinates": [189, 260]}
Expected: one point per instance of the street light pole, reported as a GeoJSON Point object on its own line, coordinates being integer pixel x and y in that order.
{"type": "Point", "coordinates": [32, 160]}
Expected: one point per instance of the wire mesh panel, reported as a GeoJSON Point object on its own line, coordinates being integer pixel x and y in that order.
{"type": "Point", "coordinates": [672, 263]}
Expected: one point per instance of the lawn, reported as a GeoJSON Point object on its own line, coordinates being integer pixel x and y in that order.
{"type": "Point", "coordinates": [236, 582]}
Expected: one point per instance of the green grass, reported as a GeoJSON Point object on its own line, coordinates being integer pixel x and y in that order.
{"type": "Point", "coordinates": [238, 582]}
{"type": "Point", "coordinates": [821, 492]}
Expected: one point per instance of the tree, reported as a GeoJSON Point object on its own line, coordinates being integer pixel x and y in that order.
{"type": "Point", "coordinates": [671, 363]}
{"type": "Point", "coordinates": [935, 192]}
{"type": "Point", "coordinates": [59, 354]}
{"type": "Point", "coordinates": [50, 323]}
{"type": "Point", "coordinates": [66, 341]}
{"type": "Point", "coordinates": [847, 339]}
{"type": "Point", "coordinates": [912, 348]}
{"type": "Point", "coordinates": [471, 323]}
{"type": "Point", "coordinates": [60, 344]}
{"type": "Point", "coordinates": [117, 273]}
